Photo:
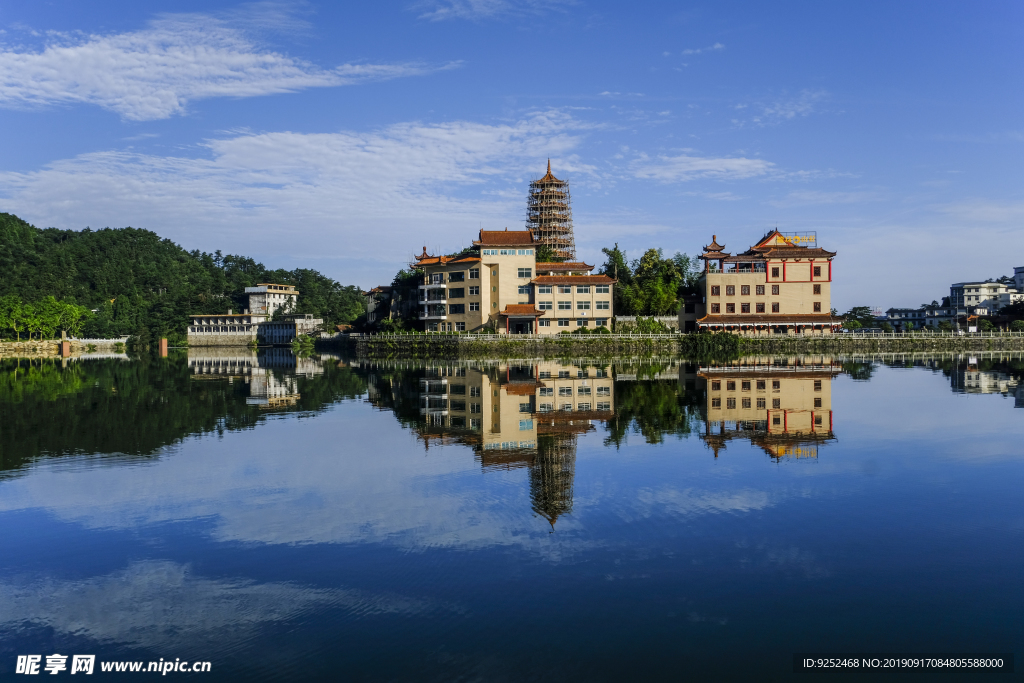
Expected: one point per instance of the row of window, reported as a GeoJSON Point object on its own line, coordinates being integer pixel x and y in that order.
{"type": "Point", "coordinates": [475, 409]}
{"type": "Point", "coordinates": [506, 252]}
{"type": "Point", "coordinates": [580, 305]}
{"type": "Point", "coordinates": [730, 385]}
{"type": "Point", "coordinates": [580, 322]}
{"type": "Point", "coordinates": [460, 292]}
{"type": "Point", "coordinates": [580, 374]}
{"type": "Point", "coordinates": [730, 290]}
{"type": "Point", "coordinates": [730, 404]}
{"type": "Point", "coordinates": [580, 407]}
{"type": "Point", "coordinates": [817, 271]}
{"type": "Point", "coordinates": [758, 307]}
{"type": "Point", "coordinates": [221, 328]}
{"type": "Point", "coordinates": [567, 391]}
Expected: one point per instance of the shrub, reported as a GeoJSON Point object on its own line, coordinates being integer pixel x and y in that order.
{"type": "Point", "coordinates": [1017, 326]}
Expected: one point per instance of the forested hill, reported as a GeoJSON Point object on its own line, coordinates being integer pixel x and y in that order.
{"type": "Point", "coordinates": [140, 284]}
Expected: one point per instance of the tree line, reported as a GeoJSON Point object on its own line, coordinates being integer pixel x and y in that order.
{"type": "Point", "coordinates": [44, 319]}
{"type": "Point", "coordinates": [133, 282]}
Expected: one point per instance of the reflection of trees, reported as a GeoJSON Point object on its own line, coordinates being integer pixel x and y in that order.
{"type": "Point", "coordinates": [859, 371]}
{"type": "Point", "coordinates": [653, 409]}
{"type": "Point", "coordinates": [132, 408]}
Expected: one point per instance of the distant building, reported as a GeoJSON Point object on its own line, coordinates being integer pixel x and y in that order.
{"type": "Point", "coordinates": [925, 316]}
{"type": "Point", "coordinates": [781, 285]}
{"type": "Point", "coordinates": [255, 324]}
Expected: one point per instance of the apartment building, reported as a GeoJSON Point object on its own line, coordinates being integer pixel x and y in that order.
{"type": "Point", "coordinates": [781, 285]}
{"type": "Point", "coordinates": [784, 408]}
{"type": "Point", "coordinates": [267, 297]}
{"type": "Point", "coordinates": [499, 285]}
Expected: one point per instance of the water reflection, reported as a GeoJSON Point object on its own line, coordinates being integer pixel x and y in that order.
{"type": "Point", "coordinates": [781, 405]}
{"type": "Point", "coordinates": [526, 414]}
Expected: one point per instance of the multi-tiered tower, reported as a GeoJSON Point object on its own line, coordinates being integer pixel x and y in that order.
{"type": "Point", "coordinates": [549, 215]}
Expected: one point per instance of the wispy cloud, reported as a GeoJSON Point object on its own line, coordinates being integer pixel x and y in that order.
{"type": "Point", "coordinates": [687, 167]}
{"type": "Point", "coordinates": [787, 109]}
{"type": "Point", "coordinates": [438, 10]}
{"type": "Point", "coordinates": [701, 50]}
{"type": "Point", "coordinates": [988, 211]}
{"type": "Point", "coordinates": [154, 73]}
{"type": "Point", "coordinates": [811, 197]}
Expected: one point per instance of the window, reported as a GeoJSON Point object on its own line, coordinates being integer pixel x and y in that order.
{"type": "Point", "coordinates": [546, 407]}
{"type": "Point", "coordinates": [524, 272]}
{"type": "Point", "coordinates": [776, 385]}
{"type": "Point", "coordinates": [544, 322]}
{"type": "Point", "coordinates": [745, 403]}
{"type": "Point", "coordinates": [715, 290]}
{"type": "Point", "coordinates": [544, 305]}
{"type": "Point", "coordinates": [583, 289]}
{"type": "Point", "coordinates": [759, 308]}
{"type": "Point", "coordinates": [776, 420]}
{"type": "Point", "coordinates": [760, 404]}
{"type": "Point", "coordinates": [474, 391]}
{"type": "Point", "coordinates": [456, 277]}
{"type": "Point", "coordinates": [817, 385]}
{"type": "Point", "coordinates": [604, 406]}
{"type": "Point", "coordinates": [775, 290]}
{"type": "Point", "coordinates": [457, 293]}
{"type": "Point", "coordinates": [474, 305]}
{"type": "Point", "coordinates": [730, 290]}
{"type": "Point", "coordinates": [600, 322]}
{"type": "Point", "coordinates": [456, 309]}
{"type": "Point", "coordinates": [745, 385]}
{"type": "Point", "coordinates": [494, 273]}
{"type": "Point", "coordinates": [494, 289]}
{"type": "Point", "coordinates": [603, 305]}
{"type": "Point", "coordinates": [817, 403]}
{"type": "Point", "coordinates": [744, 290]}
{"type": "Point", "coordinates": [775, 272]}
{"type": "Point", "coordinates": [524, 289]}
{"type": "Point", "coordinates": [565, 391]}
{"type": "Point", "coordinates": [565, 305]}
{"type": "Point", "coordinates": [546, 391]}
{"type": "Point", "coordinates": [730, 308]}
{"type": "Point", "coordinates": [543, 289]}
{"type": "Point", "coordinates": [716, 403]}
{"type": "Point", "coordinates": [817, 307]}
{"type": "Point", "coordinates": [563, 322]}
{"type": "Point", "coordinates": [474, 273]}
{"type": "Point", "coordinates": [744, 308]}
{"type": "Point", "coordinates": [775, 307]}
{"type": "Point", "coordinates": [457, 405]}
{"type": "Point", "coordinates": [604, 391]}
{"type": "Point", "coordinates": [581, 322]}
{"type": "Point", "coordinates": [524, 407]}
{"type": "Point", "coordinates": [474, 291]}
{"type": "Point", "coordinates": [460, 327]}
{"type": "Point", "coordinates": [474, 407]}
{"type": "Point", "coordinates": [584, 391]}
{"type": "Point", "coordinates": [760, 385]}
{"type": "Point", "coordinates": [565, 289]}
{"type": "Point", "coordinates": [776, 403]}
{"type": "Point", "coordinates": [817, 420]}
{"type": "Point", "coordinates": [525, 425]}
{"type": "Point", "coordinates": [715, 308]}
{"type": "Point", "coordinates": [817, 289]}
{"type": "Point", "coordinates": [563, 374]}
{"type": "Point", "coordinates": [716, 385]}
{"type": "Point", "coordinates": [582, 305]}
{"type": "Point", "coordinates": [759, 290]}
{"type": "Point", "coordinates": [817, 271]}
{"type": "Point", "coordinates": [602, 289]}
{"type": "Point", "coordinates": [730, 403]}
{"type": "Point", "coordinates": [583, 406]}
{"type": "Point", "coordinates": [730, 386]}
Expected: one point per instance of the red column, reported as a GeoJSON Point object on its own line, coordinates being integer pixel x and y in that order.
{"type": "Point", "coordinates": [783, 271]}
{"type": "Point", "coordinates": [830, 270]}
{"type": "Point", "coordinates": [163, 347]}
{"type": "Point", "coordinates": [65, 349]}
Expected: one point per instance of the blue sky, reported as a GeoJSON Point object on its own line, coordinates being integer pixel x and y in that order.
{"type": "Point", "coordinates": [346, 136]}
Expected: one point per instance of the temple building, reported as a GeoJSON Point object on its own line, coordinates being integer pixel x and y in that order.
{"type": "Point", "coordinates": [499, 285]}
{"type": "Point", "coordinates": [781, 285]}
{"type": "Point", "coordinates": [549, 215]}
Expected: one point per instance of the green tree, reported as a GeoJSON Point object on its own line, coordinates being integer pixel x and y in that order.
{"type": "Point", "coordinates": [1017, 326]}
{"type": "Point", "coordinates": [861, 314]}
{"type": "Point", "coordinates": [545, 254]}
{"type": "Point", "coordinates": [985, 325]}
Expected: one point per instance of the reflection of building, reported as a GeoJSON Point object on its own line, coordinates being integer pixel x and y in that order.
{"type": "Point", "coordinates": [783, 407]}
{"type": "Point", "coordinates": [255, 323]}
{"type": "Point", "coordinates": [272, 374]}
{"type": "Point", "coordinates": [519, 416]}
{"type": "Point", "coordinates": [967, 378]}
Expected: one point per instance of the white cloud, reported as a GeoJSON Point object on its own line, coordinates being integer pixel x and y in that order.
{"type": "Point", "coordinates": [785, 110]}
{"type": "Point", "coordinates": [438, 10]}
{"type": "Point", "coordinates": [686, 167]}
{"type": "Point", "coordinates": [986, 211]}
{"type": "Point", "coordinates": [154, 73]}
{"type": "Point", "coordinates": [407, 181]}
{"type": "Point", "coordinates": [812, 197]}
{"type": "Point", "coordinates": [696, 51]}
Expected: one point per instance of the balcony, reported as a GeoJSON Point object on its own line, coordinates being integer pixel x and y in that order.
{"type": "Point", "coordinates": [430, 316]}
{"type": "Point", "coordinates": [427, 302]}
{"type": "Point", "coordinates": [433, 285]}
{"type": "Point", "coordinates": [735, 270]}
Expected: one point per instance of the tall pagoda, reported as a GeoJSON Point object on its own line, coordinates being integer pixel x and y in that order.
{"type": "Point", "coordinates": [549, 215]}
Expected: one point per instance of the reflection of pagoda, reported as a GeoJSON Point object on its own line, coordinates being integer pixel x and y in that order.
{"type": "Point", "coordinates": [782, 406]}
{"type": "Point", "coordinates": [552, 475]}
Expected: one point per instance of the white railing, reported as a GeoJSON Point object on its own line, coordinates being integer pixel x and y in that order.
{"type": "Point", "coordinates": [675, 335]}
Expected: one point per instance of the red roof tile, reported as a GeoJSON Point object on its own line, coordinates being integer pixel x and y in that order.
{"type": "Point", "coordinates": [572, 280]}
{"type": "Point", "coordinates": [568, 265]}
{"type": "Point", "coordinates": [521, 309]}
{"type": "Point", "coordinates": [505, 238]}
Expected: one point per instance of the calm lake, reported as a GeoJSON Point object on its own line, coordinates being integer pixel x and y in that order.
{"type": "Point", "coordinates": [325, 518]}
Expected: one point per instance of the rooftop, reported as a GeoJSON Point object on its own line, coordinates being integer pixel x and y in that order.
{"type": "Point", "coordinates": [572, 280]}
{"type": "Point", "coordinates": [566, 266]}
{"type": "Point", "coordinates": [505, 238]}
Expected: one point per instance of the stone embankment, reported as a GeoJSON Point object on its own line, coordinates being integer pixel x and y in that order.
{"type": "Point", "coordinates": [693, 345]}
{"type": "Point", "coordinates": [47, 348]}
